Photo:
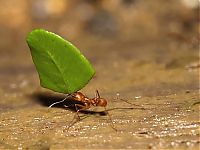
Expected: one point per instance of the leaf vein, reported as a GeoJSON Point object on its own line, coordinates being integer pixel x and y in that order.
{"type": "Point", "coordinates": [58, 68]}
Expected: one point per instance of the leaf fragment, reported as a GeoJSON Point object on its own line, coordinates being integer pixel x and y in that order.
{"type": "Point", "coordinates": [60, 65]}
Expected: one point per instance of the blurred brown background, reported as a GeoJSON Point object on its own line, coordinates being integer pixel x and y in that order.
{"type": "Point", "coordinates": [112, 19]}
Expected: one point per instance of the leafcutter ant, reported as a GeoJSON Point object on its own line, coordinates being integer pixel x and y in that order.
{"type": "Point", "coordinates": [85, 103]}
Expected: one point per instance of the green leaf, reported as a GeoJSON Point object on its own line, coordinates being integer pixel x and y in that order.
{"type": "Point", "coordinates": [60, 65]}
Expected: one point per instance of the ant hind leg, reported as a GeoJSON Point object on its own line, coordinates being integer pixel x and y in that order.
{"type": "Point", "coordinates": [60, 101]}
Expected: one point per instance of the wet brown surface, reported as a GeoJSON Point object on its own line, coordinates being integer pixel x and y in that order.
{"type": "Point", "coordinates": [148, 66]}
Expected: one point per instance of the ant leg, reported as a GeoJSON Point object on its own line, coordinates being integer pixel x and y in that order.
{"type": "Point", "coordinates": [129, 102]}
{"type": "Point", "coordinates": [77, 110]}
{"type": "Point", "coordinates": [112, 124]}
{"type": "Point", "coordinates": [59, 101]}
{"type": "Point", "coordinates": [81, 108]}
{"type": "Point", "coordinates": [126, 101]}
{"type": "Point", "coordinates": [76, 115]}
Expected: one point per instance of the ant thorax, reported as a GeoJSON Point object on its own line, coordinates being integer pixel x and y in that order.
{"type": "Point", "coordinates": [78, 96]}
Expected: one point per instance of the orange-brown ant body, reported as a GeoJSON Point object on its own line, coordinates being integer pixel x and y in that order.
{"type": "Point", "coordinates": [87, 102]}
{"type": "Point", "coordinates": [82, 103]}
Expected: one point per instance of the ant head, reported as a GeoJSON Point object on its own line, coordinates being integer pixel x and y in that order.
{"type": "Point", "coordinates": [102, 102]}
{"type": "Point", "coordinates": [78, 96]}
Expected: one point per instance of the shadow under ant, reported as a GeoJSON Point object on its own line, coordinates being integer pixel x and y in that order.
{"type": "Point", "coordinates": [47, 100]}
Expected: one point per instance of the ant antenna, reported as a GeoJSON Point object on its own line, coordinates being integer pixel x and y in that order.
{"type": "Point", "coordinates": [97, 94]}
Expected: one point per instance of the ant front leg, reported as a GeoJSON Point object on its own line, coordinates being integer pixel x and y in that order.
{"type": "Point", "coordinates": [79, 108]}
{"type": "Point", "coordinates": [126, 101]}
{"type": "Point", "coordinates": [110, 119]}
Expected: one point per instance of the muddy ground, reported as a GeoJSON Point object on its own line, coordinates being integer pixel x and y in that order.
{"type": "Point", "coordinates": [147, 69]}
